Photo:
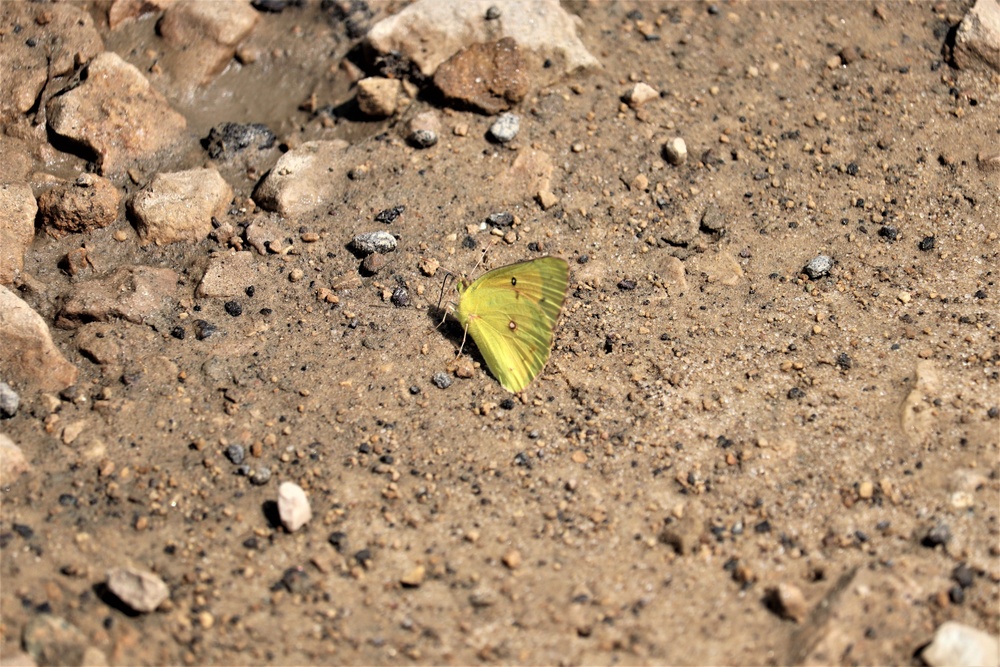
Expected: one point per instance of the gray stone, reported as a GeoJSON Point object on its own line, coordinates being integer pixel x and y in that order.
{"type": "Point", "coordinates": [372, 242]}
{"type": "Point", "coordinates": [818, 266]}
{"type": "Point", "coordinates": [505, 128]}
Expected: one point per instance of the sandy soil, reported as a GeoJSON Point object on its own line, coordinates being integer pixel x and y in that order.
{"type": "Point", "coordinates": [712, 424]}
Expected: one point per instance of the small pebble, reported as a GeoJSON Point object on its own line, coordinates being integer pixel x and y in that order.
{"type": "Point", "coordinates": [295, 275]}
{"type": "Point", "coordinates": [498, 220]}
{"type": "Point", "coordinates": [963, 575]}
{"type": "Point", "coordinates": [492, 13]}
{"type": "Point", "coordinates": [675, 150]}
{"type": "Point", "coordinates": [203, 329]}
{"type": "Point", "coordinates": [940, 534]}
{"type": "Point", "coordinates": [888, 232]}
{"type": "Point", "coordinates": [372, 264]}
{"type": "Point", "coordinates": [9, 401]}
{"type": "Point", "coordinates": [818, 266]}
{"type": "Point", "coordinates": [260, 476]}
{"type": "Point", "coordinates": [141, 591]}
{"type": "Point", "coordinates": [234, 308]}
{"type": "Point", "coordinates": [505, 128]}
{"type": "Point", "coordinates": [338, 540]}
{"type": "Point", "coordinates": [512, 559]}
{"type": "Point", "coordinates": [414, 577]}
{"type": "Point", "coordinates": [236, 454]}
{"type": "Point", "coordinates": [373, 242]}
{"type": "Point", "coordinates": [639, 94]}
{"type": "Point", "coordinates": [441, 380]}
{"type": "Point", "coordinates": [926, 244]}
{"type": "Point", "coordinates": [400, 297]}
{"type": "Point", "coordinates": [293, 506]}
{"type": "Point", "coordinates": [389, 215]}
{"type": "Point", "coordinates": [422, 138]}
{"type": "Point", "coordinates": [178, 333]}
{"type": "Point", "coordinates": [789, 602]}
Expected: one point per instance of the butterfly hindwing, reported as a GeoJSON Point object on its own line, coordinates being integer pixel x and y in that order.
{"type": "Point", "coordinates": [511, 313]}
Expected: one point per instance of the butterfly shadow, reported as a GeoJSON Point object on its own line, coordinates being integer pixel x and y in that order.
{"type": "Point", "coordinates": [450, 328]}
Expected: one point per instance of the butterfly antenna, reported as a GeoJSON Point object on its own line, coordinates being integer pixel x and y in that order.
{"type": "Point", "coordinates": [444, 284]}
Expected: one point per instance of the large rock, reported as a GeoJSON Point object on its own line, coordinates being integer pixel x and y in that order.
{"type": "Point", "coordinates": [429, 32]}
{"type": "Point", "coordinates": [62, 33]}
{"type": "Point", "coordinates": [304, 178]}
{"type": "Point", "coordinates": [977, 42]}
{"type": "Point", "coordinates": [179, 206]}
{"type": "Point", "coordinates": [29, 356]}
{"type": "Point", "coordinates": [89, 202]}
{"type": "Point", "coordinates": [17, 228]}
{"type": "Point", "coordinates": [115, 115]}
{"type": "Point", "coordinates": [13, 463]}
{"type": "Point", "coordinates": [203, 37]}
{"type": "Point", "coordinates": [139, 294]}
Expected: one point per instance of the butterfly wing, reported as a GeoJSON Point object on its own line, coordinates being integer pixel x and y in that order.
{"type": "Point", "coordinates": [511, 313]}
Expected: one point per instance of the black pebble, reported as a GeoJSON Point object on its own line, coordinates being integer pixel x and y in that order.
{"type": "Point", "coordinates": [469, 242]}
{"type": "Point", "coordinates": [507, 404]}
{"type": "Point", "coordinates": [956, 594]}
{"type": "Point", "coordinates": [926, 244]}
{"type": "Point", "coordinates": [844, 361]}
{"type": "Point", "coordinates": [203, 329]}
{"type": "Point", "coordinates": [503, 219]}
{"type": "Point", "coordinates": [338, 540]}
{"type": "Point", "coordinates": [24, 531]}
{"type": "Point", "coordinates": [963, 575]}
{"type": "Point", "coordinates": [414, 389]}
{"type": "Point", "coordinates": [68, 500]}
{"type": "Point", "coordinates": [178, 333]}
{"type": "Point", "coordinates": [250, 291]}
{"type": "Point", "coordinates": [400, 297]}
{"type": "Point", "coordinates": [795, 392]}
{"type": "Point", "coordinates": [363, 557]}
{"type": "Point", "coordinates": [888, 232]}
{"type": "Point", "coordinates": [939, 534]}
{"type": "Point", "coordinates": [626, 285]}
{"type": "Point", "coordinates": [234, 308]}
{"type": "Point", "coordinates": [762, 527]}
{"type": "Point", "coordinates": [389, 215]}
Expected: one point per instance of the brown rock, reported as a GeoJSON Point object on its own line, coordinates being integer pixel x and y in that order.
{"type": "Point", "coordinates": [378, 97]}
{"type": "Point", "coordinates": [489, 77]}
{"type": "Point", "coordinates": [304, 178]}
{"type": "Point", "coordinates": [133, 293]}
{"type": "Point", "coordinates": [97, 342]}
{"type": "Point", "coordinates": [16, 165]}
{"type": "Point", "coordinates": [90, 202]}
{"type": "Point", "coordinates": [179, 206]}
{"type": "Point", "coordinates": [787, 601]}
{"type": "Point", "coordinates": [17, 228]}
{"type": "Point", "coordinates": [29, 356]}
{"type": "Point", "coordinates": [204, 36]}
{"type": "Point", "coordinates": [115, 115]}
{"type": "Point", "coordinates": [684, 534]}
{"type": "Point", "coordinates": [69, 30]}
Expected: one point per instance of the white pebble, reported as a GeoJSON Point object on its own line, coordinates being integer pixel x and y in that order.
{"type": "Point", "coordinates": [142, 591]}
{"type": "Point", "coordinates": [293, 506]}
{"type": "Point", "coordinates": [676, 151]}
{"type": "Point", "coordinates": [959, 645]}
{"type": "Point", "coordinates": [505, 128]}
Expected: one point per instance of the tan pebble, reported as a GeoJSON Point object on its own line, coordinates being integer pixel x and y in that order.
{"type": "Point", "coordinates": [791, 603]}
{"type": "Point", "coordinates": [206, 620]}
{"type": "Point", "coordinates": [414, 577]}
{"type": "Point", "coordinates": [904, 297]}
{"type": "Point", "coordinates": [295, 275]}
{"type": "Point", "coordinates": [512, 559]}
{"type": "Point", "coordinates": [309, 237]}
{"type": "Point", "coordinates": [866, 490]}
{"type": "Point", "coordinates": [579, 457]}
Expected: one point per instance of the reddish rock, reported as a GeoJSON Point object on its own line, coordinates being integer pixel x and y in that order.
{"type": "Point", "coordinates": [29, 355]}
{"type": "Point", "coordinates": [90, 202]}
{"type": "Point", "coordinates": [116, 115]}
{"type": "Point", "coordinates": [17, 228]}
{"type": "Point", "coordinates": [489, 77]}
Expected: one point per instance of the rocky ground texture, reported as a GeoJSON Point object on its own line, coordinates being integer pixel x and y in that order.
{"type": "Point", "coordinates": [233, 430]}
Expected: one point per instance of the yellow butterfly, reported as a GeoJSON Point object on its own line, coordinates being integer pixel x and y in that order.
{"type": "Point", "coordinates": [511, 313]}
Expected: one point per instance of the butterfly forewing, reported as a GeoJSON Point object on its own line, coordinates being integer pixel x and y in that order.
{"type": "Point", "coordinates": [511, 313]}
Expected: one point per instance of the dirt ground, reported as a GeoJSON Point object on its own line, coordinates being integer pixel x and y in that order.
{"type": "Point", "coordinates": [714, 434]}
